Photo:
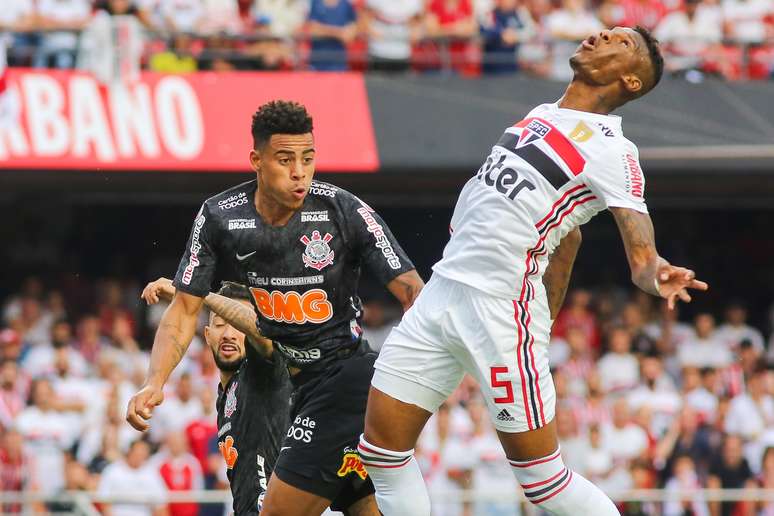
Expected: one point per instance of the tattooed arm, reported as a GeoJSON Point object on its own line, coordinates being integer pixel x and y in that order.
{"type": "Point", "coordinates": [242, 317]}
{"type": "Point", "coordinates": [557, 275]}
{"type": "Point", "coordinates": [177, 328]}
{"type": "Point", "coordinates": [237, 314]}
{"type": "Point", "coordinates": [651, 272]}
{"type": "Point", "coordinates": [406, 287]}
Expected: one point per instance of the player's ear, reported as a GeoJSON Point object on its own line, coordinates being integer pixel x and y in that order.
{"type": "Point", "coordinates": [255, 160]}
{"type": "Point", "coordinates": [632, 83]}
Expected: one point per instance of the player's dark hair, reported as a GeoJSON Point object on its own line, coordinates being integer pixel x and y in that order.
{"type": "Point", "coordinates": [279, 117]}
{"type": "Point", "coordinates": [654, 51]}
{"type": "Point", "coordinates": [234, 290]}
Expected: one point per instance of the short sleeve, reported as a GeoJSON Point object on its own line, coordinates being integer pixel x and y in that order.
{"type": "Point", "coordinates": [618, 179]}
{"type": "Point", "coordinates": [315, 11]}
{"type": "Point", "coordinates": [376, 246]}
{"type": "Point", "coordinates": [197, 268]}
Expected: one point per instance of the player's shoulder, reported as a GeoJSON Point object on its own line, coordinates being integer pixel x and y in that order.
{"type": "Point", "coordinates": [333, 195]}
{"type": "Point", "coordinates": [238, 195]}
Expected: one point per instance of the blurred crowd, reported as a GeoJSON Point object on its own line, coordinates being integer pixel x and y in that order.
{"type": "Point", "coordinates": [728, 38]}
{"type": "Point", "coordinates": [645, 399]}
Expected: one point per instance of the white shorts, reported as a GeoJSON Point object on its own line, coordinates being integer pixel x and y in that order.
{"type": "Point", "coordinates": [454, 328]}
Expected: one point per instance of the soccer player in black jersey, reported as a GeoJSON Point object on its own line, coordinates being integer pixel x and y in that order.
{"type": "Point", "coordinates": [253, 397]}
{"type": "Point", "coordinates": [299, 246]}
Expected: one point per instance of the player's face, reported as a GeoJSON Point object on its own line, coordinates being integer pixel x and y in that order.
{"type": "Point", "coordinates": [226, 343]}
{"type": "Point", "coordinates": [285, 167]}
{"type": "Point", "coordinates": [613, 55]}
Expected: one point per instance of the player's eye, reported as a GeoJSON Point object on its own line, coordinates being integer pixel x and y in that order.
{"type": "Point", "coordinates": [308, 160]}
{"type": "Point", "coordinates": [284, 162]}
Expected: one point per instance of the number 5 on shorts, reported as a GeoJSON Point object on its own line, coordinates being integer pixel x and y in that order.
{"type": "Point", "coordinates": [493, 372]}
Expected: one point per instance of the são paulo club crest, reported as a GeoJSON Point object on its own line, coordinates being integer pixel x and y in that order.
{"type": "Point", "coordinates": [230, 406]}
{"type": "Point", "coordinates": [318, 253]}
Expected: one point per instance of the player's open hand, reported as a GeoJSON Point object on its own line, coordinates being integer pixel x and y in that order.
{"type": "Point", "coordinates": [140, 408]}
{"type": "Point", "coordinates": [673, 284]}
{"type": "Point", "coordinates": [155, 291]}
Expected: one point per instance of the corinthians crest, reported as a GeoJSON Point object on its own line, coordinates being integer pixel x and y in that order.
{"type": "Point", "coordinates": [231, 401]}
{"type": "Point", "coordinates": [318, 253]}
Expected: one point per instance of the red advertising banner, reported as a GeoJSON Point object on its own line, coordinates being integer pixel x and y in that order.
{"type": "Point", "coordinates": [197, 122]}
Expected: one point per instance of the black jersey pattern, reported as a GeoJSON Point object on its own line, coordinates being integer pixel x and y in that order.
{"type": "Point", "coordinates": [303, 276]}
{"type": "Point", "coordinates": [253, 413]}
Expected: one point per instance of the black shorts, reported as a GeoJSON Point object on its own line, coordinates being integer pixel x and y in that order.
{"type": "Point", "coordinates": [319, 452]}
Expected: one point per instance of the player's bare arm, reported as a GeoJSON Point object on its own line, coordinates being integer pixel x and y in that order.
{"type": "Point", "coordinates": [651, 272]}
{"type": "Point", "coordinates": [557, 276]}
{"type": "Point", "coordinates": [177, 328]}
{"type": "Point", "coordinates": [237, 314]}
{"type": "Point", "coordinates": [406, 288]}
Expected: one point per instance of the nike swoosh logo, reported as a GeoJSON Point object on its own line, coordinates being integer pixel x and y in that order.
{"type": "Point", "coordinates": [242, 257]}
{"type": "Point", "coordinates": [285, 448]}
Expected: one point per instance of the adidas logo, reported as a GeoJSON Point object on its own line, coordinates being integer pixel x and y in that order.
{"type": "Point", "coordinates": [505, 416]}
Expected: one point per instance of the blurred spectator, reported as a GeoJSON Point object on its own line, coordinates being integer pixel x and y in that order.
{"type": "Point", "coordinates": [16, 466]}
{"type": "Point", "coordinates": [76, 478]}
{"type": "Point", "coordinates": [619, 368]}
{"type": "Point", "coordinates": [579, 365]}
{"type": "Point", "coordinates": [705, 349]}
{"type": "Point", "coordinates": [178, 411]}
{"type": "Point", "coordinates": [201, 430]}
{"type": "Point", "coordinates": [377, 324]}
{"type": "Point", "coordinates": [599, 460]}
{"type": "Point", "coordinates": [176, 58]}
{"type": "Point", "coordinates": [766, 481]}
{"type": "Point", "coordinates": [47, 433]}
{"type": "Point", "coordinates": [451, 25]}
{"type": "Point", "coordinates": [40, 360]}
{"type": "Point", "coordinates": [611, 13]}
{"type": "Point", "coordinates": [445, 460]}
{"type": "Point", "coordinates": [491, 473]}
{"type": "Point", "coordinates": [568, 25]}
{"type": "Point", "coordinates": [331, 26]}
{"type": "Point", "coordinates": [179, 16]}
{"type": "Point", "coordinates": [745, 20]}
{"type": "Point", "coordinates": [697, 397]}
{"type": "Point", "coordinates": [12, 393]}
{"type": "Point", "coordinates": [594, 409]}
{"type": "Point", "coordinates": [509, 26]}
{"type": "Point", "coordinates": [221, 17]}
{"type": "Point", "coordinates": [133, 475]}
{"type": "Point", "coordinates": [689, 35]}
{"type": "Point", "coordinates": [684, 479]}
{"type": "Point", "coordinates": [577, 314]}
{"type": "Point", "coordinates": [735, 329]}
{"type": "Point", "coordinates": [623, 438]}
{"type": "Point", "coordinates": [729, 471]}
{"type": "Point", "coordinates": [181, 471]}
{"type": "Point", "coordinates": [752, 412]}
{"type": "Point", "coordinates": [667, 331]}
{"type": "Point", "coordinates": [283, 18]}
{"type": "Point", "coordinates": [35, 322]}
{"type": "Point", "coordinates": [10, 344]}
{"type": "Point", "coordinates": [686, 437]}
{"type": "Point", "coordinates": [656, 392]}
{"type": "Point", "coordinates": [125, 350]}
{"type": "Point", "coordinates": [31, 287]}
{"type": "Point", "coordinates": [634, 321]}
{"type": "Point", "coordinates": [392, 27]}
{"type": "Point", "coordinates": [90, 341]}
{"type": "Point", "coordinates": [647, 13]}
{"type": "Point", "coordinates": [60, 19]}
{"type": "Point", "coordinates": [18, 17]}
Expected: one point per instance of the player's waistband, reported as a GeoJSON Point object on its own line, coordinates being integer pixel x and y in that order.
{"type": "Point", "coordinates": [356, 348]}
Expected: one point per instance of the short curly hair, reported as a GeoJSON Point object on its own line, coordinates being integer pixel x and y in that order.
{"type": "Point", "coordinates": [654, 53]}
{"type": "Point", "coordinates": [279, 117]}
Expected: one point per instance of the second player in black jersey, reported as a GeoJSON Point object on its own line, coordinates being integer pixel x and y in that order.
{"type": "Point", "coordinates": [299, 246]}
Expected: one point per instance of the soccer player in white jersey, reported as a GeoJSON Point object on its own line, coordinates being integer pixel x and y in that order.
{"type": "Point", "coordinates": [492, 298]}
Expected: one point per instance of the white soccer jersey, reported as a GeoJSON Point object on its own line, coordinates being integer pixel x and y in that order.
{"type": "Point", "coordinates": [549, 173]}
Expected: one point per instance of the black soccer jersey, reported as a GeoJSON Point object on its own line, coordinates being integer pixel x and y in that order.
{"type": "Point", "coordinates": [302, 276]}
{"type": "Point", "coordinates": [253, 413]}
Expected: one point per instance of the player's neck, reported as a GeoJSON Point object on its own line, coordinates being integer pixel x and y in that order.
{"type": "Point", "coordinates": [272, 212]}
{"type": "Point", "coordinates": [586, 97]}
{"type": "Point", "coordinates": [225, 377]}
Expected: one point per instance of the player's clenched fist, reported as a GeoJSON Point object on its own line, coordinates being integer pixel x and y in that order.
{"type": "Point", "coordinates": [140, 408]}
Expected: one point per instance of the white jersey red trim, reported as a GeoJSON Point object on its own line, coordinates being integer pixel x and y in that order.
{"type": "Point", "coordinates": [547, 174]}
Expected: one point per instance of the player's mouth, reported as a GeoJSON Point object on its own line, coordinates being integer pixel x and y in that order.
{"type": "Point", "coordinates": [588, 43]}
{"type": "Point", "coordinates": [300, 192]}
{"type": "Point", "coordinates": [228, 350]}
